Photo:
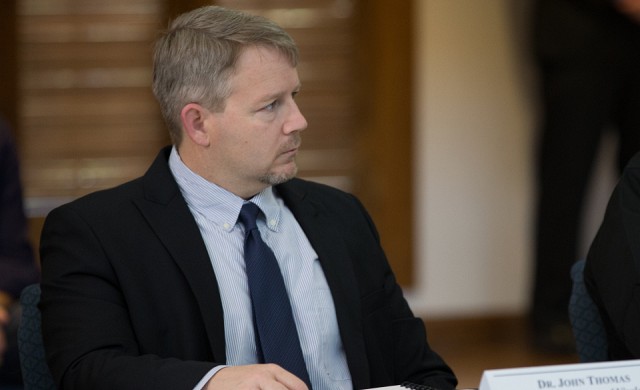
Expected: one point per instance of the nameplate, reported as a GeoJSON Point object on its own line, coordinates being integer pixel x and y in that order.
{"type": "Point", "coordinates": [618, 375]}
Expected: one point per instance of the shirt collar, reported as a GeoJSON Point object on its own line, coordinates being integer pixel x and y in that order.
{"type": "Point", "coordinates": [271, 206]}
{"type": "Point", "coordinates": [215, 203]}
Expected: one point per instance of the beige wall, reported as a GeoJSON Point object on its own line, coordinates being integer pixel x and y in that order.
{"type": "Point", "coordinates": [474, 130]}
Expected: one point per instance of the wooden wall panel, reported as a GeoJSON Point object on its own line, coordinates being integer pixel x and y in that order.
{"type": "Point", "coordinates": [384, 147]}
{"type": "Point", "coordinates": [89, 118]}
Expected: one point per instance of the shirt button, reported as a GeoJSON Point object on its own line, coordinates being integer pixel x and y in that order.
{"type": "Point", "coordinates": [226, 225]}
{"type": "Point", "coordinates": [272, 223]}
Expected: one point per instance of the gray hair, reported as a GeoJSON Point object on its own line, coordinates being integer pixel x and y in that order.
{"type": "Point", "coordinates": [195, 58]}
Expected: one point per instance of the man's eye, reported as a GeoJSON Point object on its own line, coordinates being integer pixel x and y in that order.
{"type": "Point", "coordinates": [271, 106]}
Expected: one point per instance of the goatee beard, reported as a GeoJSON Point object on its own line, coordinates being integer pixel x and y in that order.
{"type": "Point", "coordinates": [273, 179]}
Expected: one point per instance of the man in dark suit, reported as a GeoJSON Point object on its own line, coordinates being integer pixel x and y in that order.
{"type": "Point", "coordinates": [588, 54]}
{"type": "Point", "coordinates": [145, 285]}
{"type": "Point", "coordinates": [612, 271]}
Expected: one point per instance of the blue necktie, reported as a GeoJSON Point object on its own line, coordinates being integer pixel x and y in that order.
{"type": "Point", "coordinates": [276, 333]}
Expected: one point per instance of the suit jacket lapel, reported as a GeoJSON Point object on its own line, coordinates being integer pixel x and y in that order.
{"type": "Point", "coordinates": [334, 258]}
{"type": "Point", "coordinates": [169, 216]}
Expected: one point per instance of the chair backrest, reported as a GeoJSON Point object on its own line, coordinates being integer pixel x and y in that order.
{"type": "Point", "coordinates": [588, 330]}
{"type": "Point", "coordinates": [35, 371]}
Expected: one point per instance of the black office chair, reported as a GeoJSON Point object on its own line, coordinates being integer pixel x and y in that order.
{"type": "Point", "coordinates": [35, 371]}
{"type": "Point", "coordinates": [588, 330]}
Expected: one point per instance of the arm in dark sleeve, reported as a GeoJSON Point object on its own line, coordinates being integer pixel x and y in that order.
{"type": "Point", "coordinates": [95, 335]}
{"type": "Point", "coordinates": [612, 272]}
{"type": "Point", "coordinates": [393, 334]}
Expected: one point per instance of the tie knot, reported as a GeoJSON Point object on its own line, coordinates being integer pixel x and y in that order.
{"type": "Point", "coordinates": [248, 215]}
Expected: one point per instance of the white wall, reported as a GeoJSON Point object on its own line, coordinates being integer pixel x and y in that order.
{"type": "Point", "coordinates": [474, 147]}
{"type": "Point", "coordinates": [474, 125]}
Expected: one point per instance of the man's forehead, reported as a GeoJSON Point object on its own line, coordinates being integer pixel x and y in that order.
{"type": "Point", "coordinates": [263, 71]}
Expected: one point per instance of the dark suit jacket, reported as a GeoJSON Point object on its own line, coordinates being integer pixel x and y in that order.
{"type": "Point", "coordinates": [130, 299]}
{"type": "Point", "coordinates": [612, 271]}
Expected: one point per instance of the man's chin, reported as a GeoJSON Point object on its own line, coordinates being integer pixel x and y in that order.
{"type": "Point", "coordinates": [275, 178]}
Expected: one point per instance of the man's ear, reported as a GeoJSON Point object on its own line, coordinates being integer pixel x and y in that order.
{"type": "Point", "coordinates": [194, 122]}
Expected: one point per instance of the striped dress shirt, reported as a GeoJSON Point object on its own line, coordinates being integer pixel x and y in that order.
{"type": "Point", "coordinates": [216, 212]}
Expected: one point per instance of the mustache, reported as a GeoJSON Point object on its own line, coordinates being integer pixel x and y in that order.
{"type": "Point", "coordinates": [294, 143]}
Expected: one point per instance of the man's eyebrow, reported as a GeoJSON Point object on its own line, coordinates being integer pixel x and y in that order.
{"type": "Point", "coordinates": [275, 95]}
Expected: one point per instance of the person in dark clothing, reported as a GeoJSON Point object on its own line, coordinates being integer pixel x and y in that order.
{"type": "Point", "coordinates": [17, 266]}
{"type": "Point", "coordinates": [152, 284]}
{"type": "Point", "coordinates": [588, 56]}
{"type": "Point", "coordinates": [612, 270]}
